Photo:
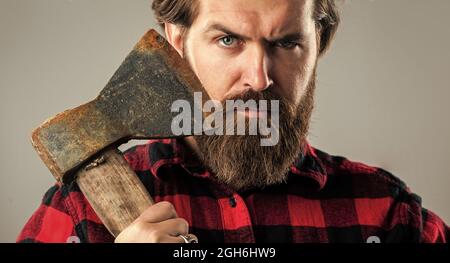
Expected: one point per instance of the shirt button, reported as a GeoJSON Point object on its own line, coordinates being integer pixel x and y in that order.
{"type": "Point", "coordinates": [233, 202]}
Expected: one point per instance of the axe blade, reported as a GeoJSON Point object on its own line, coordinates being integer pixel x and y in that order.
{"type": "Point", "coordinates": [135, 104]}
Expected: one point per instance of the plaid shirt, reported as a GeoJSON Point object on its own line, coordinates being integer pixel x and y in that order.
{"type": "Point", "coordinates": [326, 199]}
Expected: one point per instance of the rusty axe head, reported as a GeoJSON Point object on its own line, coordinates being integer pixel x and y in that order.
{"type": "Point", "coordinates": [135, 104]}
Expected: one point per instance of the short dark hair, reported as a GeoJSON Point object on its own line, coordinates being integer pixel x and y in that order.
{"type": "Point", "coordinates": [184, 12]}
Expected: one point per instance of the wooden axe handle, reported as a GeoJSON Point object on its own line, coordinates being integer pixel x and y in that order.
{"type": "Point", "coordinates": [114, 191]}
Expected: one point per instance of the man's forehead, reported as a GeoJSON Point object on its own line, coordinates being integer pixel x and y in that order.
{"type": "Point", "coordinates": [271, 17]}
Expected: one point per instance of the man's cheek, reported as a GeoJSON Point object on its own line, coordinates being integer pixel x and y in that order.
{"type": "Point", "coordinates": [217, 83]}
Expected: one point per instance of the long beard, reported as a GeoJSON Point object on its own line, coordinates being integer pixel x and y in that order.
{"type": "Point", "coordinates": [241, 163]}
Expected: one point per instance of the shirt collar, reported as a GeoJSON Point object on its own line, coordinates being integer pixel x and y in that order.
{"type": "Point", "coordinates": [175, 152]}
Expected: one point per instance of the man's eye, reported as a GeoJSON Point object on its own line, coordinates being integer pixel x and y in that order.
{"type": "Point", "coordinates": [287, 44]}
{"type": "Point", "coordinates": [228, 41]}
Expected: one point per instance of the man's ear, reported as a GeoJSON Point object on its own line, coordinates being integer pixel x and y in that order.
{"type": "Point", "coordinates": [175, 36]}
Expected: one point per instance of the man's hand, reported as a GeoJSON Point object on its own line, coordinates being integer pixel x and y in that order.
{"type": "Point", "coordinates": [158, 224]}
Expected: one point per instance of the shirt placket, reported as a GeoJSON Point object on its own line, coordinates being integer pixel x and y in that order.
{"type": "Point", "coordinates": [236, 221]}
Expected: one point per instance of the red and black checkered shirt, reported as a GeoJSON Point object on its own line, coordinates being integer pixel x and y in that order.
{"type": "Point", "coordinates": [325, 199]}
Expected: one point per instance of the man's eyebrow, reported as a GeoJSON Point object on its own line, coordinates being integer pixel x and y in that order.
{"type": "Point", "coordinates": [224, 29]}
{"type": "Point", "coordinates": [288, 37]}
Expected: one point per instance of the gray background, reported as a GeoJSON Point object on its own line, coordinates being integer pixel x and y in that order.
{"type": "Point", "coordinates": [382, 98]}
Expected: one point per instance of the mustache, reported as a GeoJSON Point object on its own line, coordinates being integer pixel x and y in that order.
{"type": "Point", "coordinates": [255, 95]}
{"type": "Point", "coordinates": [286, 107]}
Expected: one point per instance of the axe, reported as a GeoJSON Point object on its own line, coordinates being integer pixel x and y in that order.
{"type": "Point", "coordinates": [81, 144]}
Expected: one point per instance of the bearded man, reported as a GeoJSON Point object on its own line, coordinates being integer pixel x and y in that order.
{"type": "Point", "coordinates": [229, 188]}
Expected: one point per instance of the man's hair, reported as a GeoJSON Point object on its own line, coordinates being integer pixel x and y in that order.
{"type": "Point", "coordinates": [184, 12]}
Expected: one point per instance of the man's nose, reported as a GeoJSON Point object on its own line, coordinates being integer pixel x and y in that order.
{"type": "Point", "coordinates": [256, 70]}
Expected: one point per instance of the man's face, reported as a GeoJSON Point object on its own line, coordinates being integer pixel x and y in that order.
{"type": "Point", "coordinates": [237, 45]}
{"type": "Point", "coordinates": [254, 50]}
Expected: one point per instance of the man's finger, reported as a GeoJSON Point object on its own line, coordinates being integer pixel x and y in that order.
{"type": "Point", "coordinates": [159, 212]}
{"type": "Point", "coordinates": [175, 227]}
